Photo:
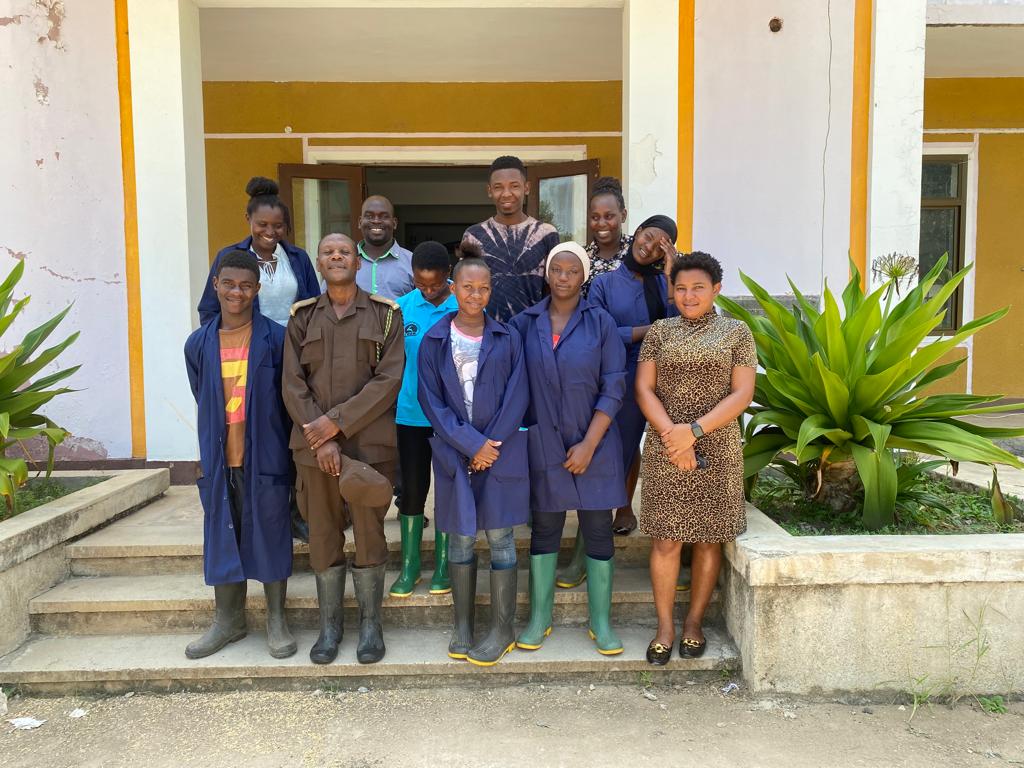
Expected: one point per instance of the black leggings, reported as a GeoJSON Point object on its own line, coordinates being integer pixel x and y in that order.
{"type": "Point", "coordinates": [595, 526]}
{"type": "Point", "coordinates": [414, 467]}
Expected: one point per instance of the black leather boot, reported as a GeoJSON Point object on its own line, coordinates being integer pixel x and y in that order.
{"type": "Point", "coordinates": [330, 596]}
{"type": "Point", "coordinates": [369, 586]}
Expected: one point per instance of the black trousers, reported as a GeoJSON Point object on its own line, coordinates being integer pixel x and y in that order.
{"type": "Point", "coordinates": [413, 467]}
{"type": "Point", "coordinates": [236, 499]}
{"type": "Point", "coordinates": [595, 526]}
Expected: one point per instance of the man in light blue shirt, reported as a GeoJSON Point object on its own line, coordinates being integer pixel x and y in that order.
{"type": "Point", "coordinates": [431, 300]}
{"type": "Point", "coordinates": [387, 266]}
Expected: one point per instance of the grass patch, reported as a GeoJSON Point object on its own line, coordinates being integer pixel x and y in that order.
{"type": "Point", "coordinates": [969, 512]}
{"type": "Point", "coordinates": [40, 490]}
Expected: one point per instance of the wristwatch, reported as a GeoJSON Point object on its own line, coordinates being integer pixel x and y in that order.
{"type": "Point", "coordinates": [697, 431]}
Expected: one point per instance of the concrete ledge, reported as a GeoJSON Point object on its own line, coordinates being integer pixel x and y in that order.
{"type": "Point", "coordinates": [414, 657]}
{"type": "Point", "coordinates": [46, 526]}
{"type": "Point", "coordinates": [817, 614]}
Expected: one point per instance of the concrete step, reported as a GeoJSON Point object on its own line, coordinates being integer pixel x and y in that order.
{"type": "Point", "coordinates": [415, 657]}
{"type": "Point", "coordinates": [114, 605]}
{"type": "Point", "coordinates": [166, 537]}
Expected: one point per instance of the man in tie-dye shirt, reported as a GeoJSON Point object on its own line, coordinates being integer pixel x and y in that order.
{"type": "Point", "coordinates": [513, 244]}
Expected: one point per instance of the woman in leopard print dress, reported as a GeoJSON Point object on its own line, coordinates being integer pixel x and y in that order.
{"type": "Point", "coordinates": [695, 378]}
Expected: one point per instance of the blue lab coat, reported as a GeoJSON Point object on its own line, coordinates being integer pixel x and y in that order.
{"type": "Point", "coordinates": [302, 268]}
{"type": "Point", "coordinates": [265, 552]}
{"type": "Point", "coordinates": [586, 372]}
{"type": "Point", "coordinates": [498, 497]}
{"type": "Point", "coordinates": [621, 295]}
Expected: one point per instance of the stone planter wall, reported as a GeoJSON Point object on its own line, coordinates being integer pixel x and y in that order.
{"type": "Point", "coordinates": [876, 614]}
{"type": "Point", "coordinates": [32, 555]}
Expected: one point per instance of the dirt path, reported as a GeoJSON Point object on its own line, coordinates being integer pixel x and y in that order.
{"type": "Point", "coordinates": [522, 726]}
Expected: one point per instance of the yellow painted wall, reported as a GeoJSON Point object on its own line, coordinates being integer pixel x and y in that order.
{"type": "Point", "coordinates": [242, 107]}
{"type": "Point", "coordinates": [996, 103]}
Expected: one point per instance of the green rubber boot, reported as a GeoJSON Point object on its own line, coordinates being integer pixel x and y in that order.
{"type": "Point", "coordinates": [542, 601]}
{"type": "Point", "coordinates": [599, 602]}
{"type": "Point", "coordinates": [412, 536]}
{"type": "Point", "coordinates": [575, 571]}
{"type": "Point", "coordinates": [440, 582]}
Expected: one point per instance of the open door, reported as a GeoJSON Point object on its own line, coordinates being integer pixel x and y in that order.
{"type": "Point", "coordinates": [323, 199]}
{"type": "Point", "coordinates": [560, 194]}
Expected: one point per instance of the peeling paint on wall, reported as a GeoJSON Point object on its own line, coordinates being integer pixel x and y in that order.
{"type": "Point", "coordinates": [75, 279]}
{"type": "Point", "coordinates": [54, 15]}
{"type": "Point", "coordinates": [19, 255]}
{"type": "Point", "coordinates": [8, 20]}
{"type": "Point", "coordinates": [42, 92]}
{"type": "Point", "coordinates": [644, 156]}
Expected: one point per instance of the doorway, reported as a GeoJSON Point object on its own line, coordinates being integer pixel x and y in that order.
{"type": "Point", "coordinates": [432, 202]}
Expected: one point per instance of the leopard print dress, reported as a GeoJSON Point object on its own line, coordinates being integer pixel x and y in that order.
{"type": "Point", "coordinates": [694, 361]}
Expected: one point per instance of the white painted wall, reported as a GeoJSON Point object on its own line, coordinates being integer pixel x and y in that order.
{"type": "Point", "coordinates": [897, 123]}
{"type": "Point", "coordinates": [650, 107]}
{"type": "Point", "coordinates": [170, 179]}
{"type": "Point", "coordinates": [772, 121]}
{"type": "Point", "coordinates": [63, 209]}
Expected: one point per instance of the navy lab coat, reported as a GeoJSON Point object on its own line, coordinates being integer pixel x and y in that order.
{"type": "Point", "coordinates": [621, 295]}
{"type": "Point", "coordinates": [265, 552]}
{"type": "Point", "coordinates": [498, 497]}
{"type": "Point", "coordinates": [584, 373]}
{"type": "Point", "coordinates": [302, 267]}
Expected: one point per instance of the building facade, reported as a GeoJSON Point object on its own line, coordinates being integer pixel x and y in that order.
{"type": "Point", "coordinates": [784, 140]}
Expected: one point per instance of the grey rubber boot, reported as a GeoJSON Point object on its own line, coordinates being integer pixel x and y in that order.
{"type": "Point", "coordinates": [463, 576]}
{"type": "Point", "coordinates": [369, 586]}
{"type": "Point", "coordinates": [279, 637]}
{"type": "Point", "coordinates": [228, 621]}
{"type": "Point", "coordinates": [501, 638]}
{"type": "Point", "coordinates": [330, 596]}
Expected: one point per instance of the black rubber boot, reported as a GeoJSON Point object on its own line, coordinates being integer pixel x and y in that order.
{"type": "Point", "coordinates": [502, 638]}
{"type": "Point", "coordinates": [279, 637]}
{"type": "Point", "coordinates": [330, 596]}
{"type": "Point", "coordinates": [463, 576]}
{"type": "Point", "coordinates": [369, 586]}
{"type": "Point", "coordinates": [228, 621]}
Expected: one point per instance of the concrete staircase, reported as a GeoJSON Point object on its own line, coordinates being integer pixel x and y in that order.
{"type": "Point", "coordinates": [136, 597]}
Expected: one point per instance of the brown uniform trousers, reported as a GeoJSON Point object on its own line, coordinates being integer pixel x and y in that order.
{"type": "Point", "coordinates": [349, 368]}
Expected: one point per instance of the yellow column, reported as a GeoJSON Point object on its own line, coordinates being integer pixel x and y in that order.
{"type": "Point", "coordinates": [860, 136]}
{"type": "Point", "coordinates": [137, 396]}
{"type": "Point", "coordinates": [684, 199]}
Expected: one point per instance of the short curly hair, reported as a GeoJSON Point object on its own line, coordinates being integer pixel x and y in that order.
{"type": "Point", "coordinates": [705, 262]}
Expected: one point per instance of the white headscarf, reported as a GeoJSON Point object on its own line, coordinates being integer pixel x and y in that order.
{"type": "Point", "coordinates": [574, 248]}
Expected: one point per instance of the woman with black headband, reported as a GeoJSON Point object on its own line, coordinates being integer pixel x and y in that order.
{"type": "Point", "coordinates": [635, 295]}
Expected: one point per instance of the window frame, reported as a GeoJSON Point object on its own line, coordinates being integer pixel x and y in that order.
{"type": "Point", "coordinates": [959, 205]}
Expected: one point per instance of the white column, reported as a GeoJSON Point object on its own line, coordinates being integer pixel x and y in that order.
{"type": "Point", "coordinates": [170, 181]}
{"type": "Point", "coordinates": [650, 112]}
{"type": "Point", "coordinates": [897, 122]}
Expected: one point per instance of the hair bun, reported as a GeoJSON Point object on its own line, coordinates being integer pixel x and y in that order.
{"type": "Point", "coordinates": [608, 184]}
{"type": "Point", "coordinates": [259, 186]}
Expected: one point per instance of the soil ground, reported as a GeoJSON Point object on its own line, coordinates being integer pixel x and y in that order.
{"type": "Point", "coordinates": [531, 725]}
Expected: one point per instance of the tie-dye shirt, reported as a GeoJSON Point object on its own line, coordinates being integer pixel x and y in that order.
{"type": "Point", "coordinates": [516, 257]}
{"type": "Point", "coordinates": [234, 369]}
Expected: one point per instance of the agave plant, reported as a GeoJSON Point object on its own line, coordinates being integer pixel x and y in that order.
{"type": "Point", "coordinates": [841, 390]}
{"type": "Point", "coordinates": [21, 399]}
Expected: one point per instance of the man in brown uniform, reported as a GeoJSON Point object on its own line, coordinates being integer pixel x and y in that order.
{"type": "Point", "coordinates": [343, 362]}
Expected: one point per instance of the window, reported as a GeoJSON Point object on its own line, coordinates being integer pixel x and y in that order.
{"type": "Point", "coordinates": [943, 187]}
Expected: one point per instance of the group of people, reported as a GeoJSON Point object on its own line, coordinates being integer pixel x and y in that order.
{"type": "Point", "coordinates": [521, 379]}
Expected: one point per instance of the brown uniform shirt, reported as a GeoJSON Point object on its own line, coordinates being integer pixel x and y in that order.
{"type": "Point", "coordinates": [331, 367]}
